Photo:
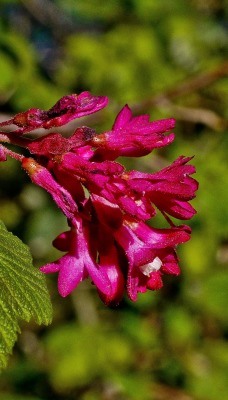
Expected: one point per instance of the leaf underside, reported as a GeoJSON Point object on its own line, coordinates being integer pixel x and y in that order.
{"type": "Point", "coordinates": [23, 291]}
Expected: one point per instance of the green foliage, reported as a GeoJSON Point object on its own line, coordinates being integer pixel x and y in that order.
{"type": "Point", "coordinates": [23, 291]}
{"type": "Point", "coordinates": [19, 74]}
{"type": "Point", "coordinates": [78, 355]}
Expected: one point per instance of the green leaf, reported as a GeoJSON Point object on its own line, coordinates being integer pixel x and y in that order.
{"type": "Point", "coordinates": [23, 293]}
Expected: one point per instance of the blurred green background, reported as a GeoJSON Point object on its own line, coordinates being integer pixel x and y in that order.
{"type": "Point", "coordinates": [167, 58]}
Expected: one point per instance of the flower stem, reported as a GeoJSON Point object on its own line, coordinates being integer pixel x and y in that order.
{"type": "Point", "coordinates": [16, 156]}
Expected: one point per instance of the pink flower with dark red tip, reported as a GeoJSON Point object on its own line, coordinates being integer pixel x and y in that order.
{"type": "Point", "coordinates": [64, 111]}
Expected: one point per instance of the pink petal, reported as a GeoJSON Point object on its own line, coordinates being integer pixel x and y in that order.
{"type": "Point", "coordinates": [110, 264]}
{"type": "Point", "coordinates": [71, 273]}
{"type": "Point", "coordinates": [50, 268]}
{"type": "Point", "coordinates": [62, 241]}
{"type": "Point", "coordinates": [122, 118]}
{"type": "Point", "coordinates": [155, 281]}
{"type": "Point", "coordinates": [108, 213]}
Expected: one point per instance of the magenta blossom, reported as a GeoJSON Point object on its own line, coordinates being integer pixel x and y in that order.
{"type": "Point", "coordinates": [78, 264]}
{"type": "Point", "coordinates": [169, 189]}
{"type": "Point", "coordinates": [150, 253]}
{"type": "Point", "coordinates": [133, 136]}
{"type": "Point", "coordinates": [106, 206]}
{"type": "Point", "coordinates": [83, 249]}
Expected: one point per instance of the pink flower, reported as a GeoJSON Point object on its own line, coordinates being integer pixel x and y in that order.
{"type": "Point", "coordinates": [80, 262]}
{"type": "Point", "coordinates": [150, 253]}
{"type": "Point", "coordinates": [169, 189]}
{"type": "Point", "coordinates": [107, 207]}
{"type": "Point", "coordinates": [133, 136]}
{"type": "Point", "coordinates": [77, 264]}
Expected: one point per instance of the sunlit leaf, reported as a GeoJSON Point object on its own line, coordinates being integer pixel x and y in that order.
{"type": "Point", "coordinates": [23, 292]}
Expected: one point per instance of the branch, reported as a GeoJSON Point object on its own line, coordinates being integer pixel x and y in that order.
{"type": "Point", "coordinates": [199, 82]}
{"type": "Point", "coordinates": [196, 115]}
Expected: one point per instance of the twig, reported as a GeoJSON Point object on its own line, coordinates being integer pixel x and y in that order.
{"type": "Point", "coordinates": [196, 115]}
{"type": "Point", "coordinates": [197, 83]}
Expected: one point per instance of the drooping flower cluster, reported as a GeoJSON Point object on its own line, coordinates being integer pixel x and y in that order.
{"type": "Point", "coordinates": [107, 207]}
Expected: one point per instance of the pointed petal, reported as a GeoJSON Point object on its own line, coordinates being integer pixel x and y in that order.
{"type": "Point", "coordinates": [70, 275]}
{"type": "Point", "coordinates": [122, 118]}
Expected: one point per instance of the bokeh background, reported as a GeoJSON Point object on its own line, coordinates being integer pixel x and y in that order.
{"type": "Point", "coordinates": [167, 58]}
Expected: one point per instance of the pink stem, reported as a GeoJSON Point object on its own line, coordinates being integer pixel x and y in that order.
{"type": "Point", "coordinates": [5, 123]}
{"type": "Point", "coordinates": [16, 156]}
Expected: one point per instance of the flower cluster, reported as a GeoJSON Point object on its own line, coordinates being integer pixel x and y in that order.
{"type": "Point", "coordinates": [107, 207]}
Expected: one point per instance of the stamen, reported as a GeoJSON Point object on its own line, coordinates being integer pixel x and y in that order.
{"type": "Point", "coordinates": [153, 266]}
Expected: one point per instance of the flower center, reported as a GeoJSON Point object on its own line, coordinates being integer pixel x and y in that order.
{"type": "Point", "coordinates": [153, 266]}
